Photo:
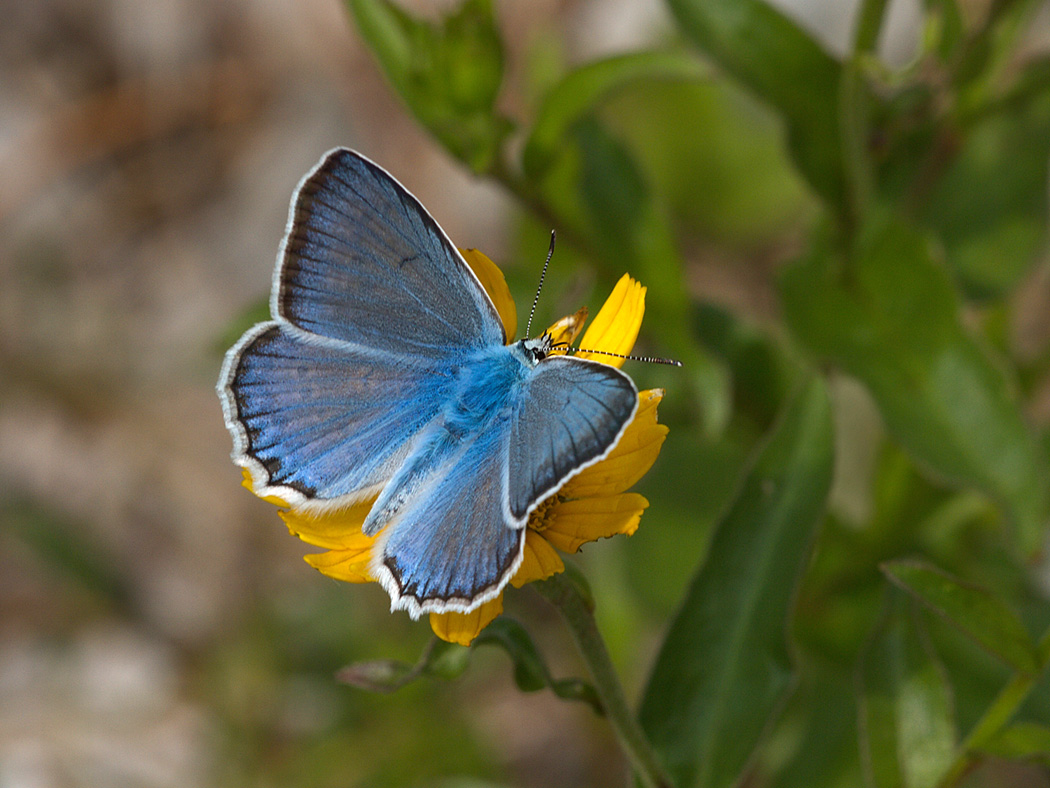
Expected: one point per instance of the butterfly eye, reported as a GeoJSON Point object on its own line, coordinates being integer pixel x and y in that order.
{"type": "Point", "coordinates": [535, 350]}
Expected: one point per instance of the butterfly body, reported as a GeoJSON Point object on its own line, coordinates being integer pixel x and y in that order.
{"type": "Point", "coordinates": [384, 373]}
{"type": "Point", "coordinates": [481, 399]}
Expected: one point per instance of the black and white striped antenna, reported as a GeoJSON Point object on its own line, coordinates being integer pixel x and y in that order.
{"type": "Point", "coordinates": [571, 350]}
{"type": "Point", "coordinates": [543, 275]}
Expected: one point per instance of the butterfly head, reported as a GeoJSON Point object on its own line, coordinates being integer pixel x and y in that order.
{"type": "Point", "coordinates": [537, 349]}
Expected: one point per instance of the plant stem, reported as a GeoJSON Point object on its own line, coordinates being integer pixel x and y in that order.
{"type": "Point", "coordinates": [996, 717]}
{"type": "Point", "coordinates": [854, 121]}
{"type": "Point", "coordinates": [560, 592]}
{"type": "Point", "coordinates": [869, 24]}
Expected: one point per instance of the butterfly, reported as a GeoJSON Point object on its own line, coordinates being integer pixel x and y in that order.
{"type": "Point", "coordinates": [385, 373]}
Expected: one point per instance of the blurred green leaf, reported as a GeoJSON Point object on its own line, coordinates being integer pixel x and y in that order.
{"type": "Point", "coordinates": [736, 187]}
{"type": "Point", "coordinates": [763, 374]}
{"type": "Point", "coordinates": [989, 207]}
{"type": "Point", "coordinates": [580, 92]}
{"type": "Point", "coordinates": [777, 60]}
{"type": "Point", "coordinates": [979, 614]}
{"type": "Point", "coordinates": [890, 317]}
{"type": "Point", "coordinates": [628, 227]}
{"type": "Point", "coordinates": [819, 724]}
{"type": "Point", "coordinates": [724, 667]}
{"type": "Point", "coordinates": [990, 51]}
{"type": "Point", "coordinates": [449, 75]}
{"type": "Point", "coordinates": [1021, 740]}
{"type": "Point", "coordinates": [907, 727]}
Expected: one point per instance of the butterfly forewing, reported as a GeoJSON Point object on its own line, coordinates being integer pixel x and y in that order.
{"type": "Point", "coordinates": [364, 262]}
{"type": "Point", "coordinates": [325, 420]}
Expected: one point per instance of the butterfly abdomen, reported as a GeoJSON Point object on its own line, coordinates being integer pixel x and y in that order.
{"type": "Point", "coordinates": [484, 393]}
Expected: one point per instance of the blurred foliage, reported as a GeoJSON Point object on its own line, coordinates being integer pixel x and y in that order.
{"type": "Point", "coordinates": [918, 198]}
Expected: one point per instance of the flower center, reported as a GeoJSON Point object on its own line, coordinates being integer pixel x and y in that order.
{"type": "Point", "coordinates": [539, 520]}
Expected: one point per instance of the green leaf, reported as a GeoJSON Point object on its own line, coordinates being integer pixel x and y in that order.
{"type": "Point", "coordinates": [448, 661]}
{"type": "Point", "coordinates": [989, 208]}
{"type": "Point", "coordinates": [907, 727]}
{"type": "Point", "coordinates": [817, 734]}
{"type": "Point", "coordinates": [979, 614]}
{"type": "Point", "coordinates": [889, 316]}
{"type": "Point", "coordinates": [724, 668]}
{"type": "Point", "coordinates": [449, 75]}
{"type": "Point", "coordinates": [627, 227]}
{"type": "Point", "coordinates": [389, 31]}
{"type": "Point", "coordinates": [1021, 740]}
{"type": "Point", "coordinates": [783, 66]}
{"type": "Point", "coordinates": [763, 374]}
{"type": "Point", "coordinates": [582, 90]}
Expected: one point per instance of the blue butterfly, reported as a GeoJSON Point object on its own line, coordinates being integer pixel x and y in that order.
{"type": "Point", "coordinates": [385, 372]}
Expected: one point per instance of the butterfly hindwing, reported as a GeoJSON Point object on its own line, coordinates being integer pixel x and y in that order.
{"type": "Point", "coordinates": [453, 548]}
{"type": "Point", "coordinates": [571, 414]}
{"type": "Point", "coordinates": [315, 419]}
{"type": "Point", "coordinates": [363, 261]}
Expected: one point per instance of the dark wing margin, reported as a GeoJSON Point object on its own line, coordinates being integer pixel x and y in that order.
{"type": "Point", "coordinates": [314, 420]}
{"type": "Point", "coordinates": [363, 261]}
{"type": "Point", "coordinates": [572, 413]}
{"type": "Point", "coordinates": [452, 548]}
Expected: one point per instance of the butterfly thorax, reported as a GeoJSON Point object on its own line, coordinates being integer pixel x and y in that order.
{"type": "Point", "coordinates": [487, 385]}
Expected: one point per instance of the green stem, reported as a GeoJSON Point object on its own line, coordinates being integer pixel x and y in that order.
{"type": "Point", "coordinates": [869, 23]}
{"type": "Point", "coordinates": [560, 592]}
{"type": "Point", "coordinates": [856, 160]}
{"type": "Point", "coordinates": [854, 122]}
{"type": "Point", "coordinates": [996, 717]}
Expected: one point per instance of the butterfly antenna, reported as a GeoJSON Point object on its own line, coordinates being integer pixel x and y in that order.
{"type": "Point", "coordinates": [671, 362]}
{"type": "Point", "coordinates": [543, 274]}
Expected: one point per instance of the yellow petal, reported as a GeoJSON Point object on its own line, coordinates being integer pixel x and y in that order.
{"type": "Point", "coordinates": [616, 326]}
{"type": "Point", "coordinates": [462, 628]}
{"type": "Point", "coordinates": [630, 460]}
{"type": "Point", "coordinates": [333, 530]}
{"type": "Point", "coordinates": [573, 523]}
{"type": "Point", "coordinates": [539, 561]}
{"type": "Point", "coordinates": [568, 328]}
{"type": "Point", "coordinates": [495, 285]}
{"type": "Point", "coordinates": [349, 565]}
{"type": "Point", "coordinates": [246, 482]}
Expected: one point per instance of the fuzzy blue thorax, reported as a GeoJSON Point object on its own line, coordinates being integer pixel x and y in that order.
{"type": "Point", "coordinates": [484, 392]}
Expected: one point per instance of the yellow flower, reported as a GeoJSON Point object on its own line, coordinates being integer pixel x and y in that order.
{"type": "Point", "coordinates": [592, 505]}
